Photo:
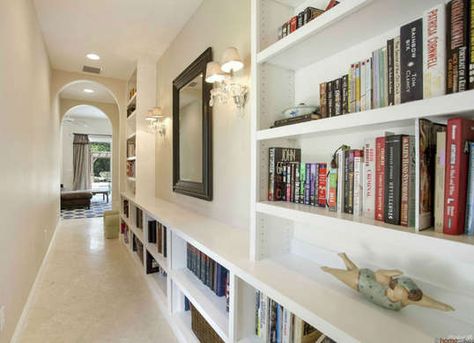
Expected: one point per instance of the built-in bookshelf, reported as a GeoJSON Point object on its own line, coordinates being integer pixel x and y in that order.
{"type": "Point", "coordinates": [130, 133]}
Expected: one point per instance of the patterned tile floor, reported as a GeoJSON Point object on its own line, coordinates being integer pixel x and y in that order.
{"type": "Point", "coordinates": [98, 206]}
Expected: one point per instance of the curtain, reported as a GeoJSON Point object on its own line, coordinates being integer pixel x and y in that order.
{"type": "Point", "coordinates": [81, 162]}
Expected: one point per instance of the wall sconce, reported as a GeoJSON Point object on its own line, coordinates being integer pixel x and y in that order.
{"type": "Point", "coordinates": [222, 75]}
{"type": "Point", "coordinates": [156, 121]}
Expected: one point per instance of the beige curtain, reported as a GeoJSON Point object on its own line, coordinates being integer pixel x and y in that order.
{"type": "Point", "coordinates": [81, 162]}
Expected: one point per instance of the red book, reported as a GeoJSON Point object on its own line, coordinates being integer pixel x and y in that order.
{"type": "Point", "coordinates": [459, 131]}
{"type": "Point", "coordinates": [379, 178]}
{"type": "Point", "coordinates": [322, 175]}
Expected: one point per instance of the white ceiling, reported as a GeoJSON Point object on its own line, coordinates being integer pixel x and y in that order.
{"type": "Point", "coordinates": [118, 30]}
{"type": "Point", "coordinates": [75, 91]}
{"type": "Point", "coordinates": [85, 111]}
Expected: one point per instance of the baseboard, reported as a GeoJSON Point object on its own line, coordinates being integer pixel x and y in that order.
{"type": "Point", "coordinates": [21, 322]}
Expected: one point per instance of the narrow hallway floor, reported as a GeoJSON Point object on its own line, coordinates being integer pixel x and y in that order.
{"type": "Point", "coordinates": [92, 291]}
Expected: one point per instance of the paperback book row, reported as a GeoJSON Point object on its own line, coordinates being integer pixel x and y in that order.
{"type": "Point", "coordinates": [211, 273]}
{"type": "Point", "coordinates": [379, 180]}
{"type": "Point", "coordinates": [275, 324]}
{"type": "Point", "coordinates": [157, 234]}
{"type": "Point", "coordinates": [131, 148]}
{"type": "Point", "coordinates": [154, 267]}
{"type": "Point", "coordinates": [432, 56]}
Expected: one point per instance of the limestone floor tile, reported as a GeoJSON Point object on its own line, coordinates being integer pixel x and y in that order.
{"type": "Point", "coordinates": [92, 291]}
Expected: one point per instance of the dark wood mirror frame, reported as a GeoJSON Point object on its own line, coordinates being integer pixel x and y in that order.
{"type": "Point", "coordinates": [202, 190]}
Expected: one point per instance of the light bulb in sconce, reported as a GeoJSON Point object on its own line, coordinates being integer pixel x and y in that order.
{"type": "Point", "coordinates": [214, 73]}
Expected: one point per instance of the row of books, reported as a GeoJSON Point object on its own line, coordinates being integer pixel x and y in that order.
{"type": "Point", "coordinates": [131, 148]}
{"type": "Point", "coordinates": [130, 168]}
{"type": "Point", "coordinates": [275, 324]}
{"type": "Point", "coordinates": [153, 267]}
{"type": "Point", "coordinates": [211, 273]}
{"type": "Point", "coordinates": [157, 233]}
{"type": "Point", "coordinates": [379, 180]}
{"type": "Point", "coordinates": [432, 56]}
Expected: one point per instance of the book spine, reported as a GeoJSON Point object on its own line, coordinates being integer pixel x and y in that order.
{"type": "Point", "coordinates": [368, 84]}
{"type": "Point", "coordinates": [469, 226]}
{"type": "Point", "coordinates": [264, 309]}
{"type": "Point", "coordinates": [288, 181]}
{"type": "Point", "coordinates": [352, 86]}
{"type": "Point", "coordinates": [458, 132]}
{"type": "Point", "coordinates": [349, 183]}
{"type": "Point", "coordinates": [357, 87]}
{"type": "Point", "coordinates": [390, 72]}
{"type": "Point", "coordinates": [449, 55]}
{"type": "Point", "coordinates": [461, 28]}
{"type": "Point", "coordinates": [358, 173]}
{"type": "Point", "coordinates": [338, 97]}
{"type": "Point", "coordinates": [383, 77]}
{"type": "Point", "coordinates": [412, 61]}
{"type": "Point", "coordinates": [297, 182]}
{"type": "Point", "coordinates": [368, 202]}
{"type": "Point", "coordinates": [314, 184]}
{"type": "Point", "coordinates": [375, 79]}
{"type": "Point", "coordinates": [292, 181]}
{"type": "Point", "coordinates": [257, 313]}
{"type": "Point", "coordinates": [434, 56]}
{"type": "Point", "coordinates": [322, 175]}
{"type": "Point", "coordinates": [345, 94]}
{"type": "Point", "coordinates": [330, 98]}
{"type": "Point", "coordinates": [307, 184]}
{"type": "Point", "coordinates": [340, 180]}
{"type": "Point", "coordinates": [379, 178]}
{"type": "Point", "coordinates": [412, 183]}
{"type": "Point", "coordinates": [396, 71]}
{"type": "Point", "coordinates": [392, 179]}
{"type": "Point", "coordinates": [405, 180]}
{"type": "Point", "coordinates": [363, 75]}
{"type": "Point", "coordinates": [332, 196]}
{"type": "Point", "coordinates": [278, 326]}
{"type": "Point", "coordinates": [323, 100]}
{"type": "Point", "coordinates": [439, 180]}
{"type": "Point", "coordinates": [302, 183]}
{"type": "Point", "coordinates": [272, 322]}
{"type": "Point", "coordinates": [471, 44]}
{"type": "Point", "coordinates": [271, 174]}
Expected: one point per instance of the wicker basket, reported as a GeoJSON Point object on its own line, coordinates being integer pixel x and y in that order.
{"type": "Point", "coordinates": [202, 329]}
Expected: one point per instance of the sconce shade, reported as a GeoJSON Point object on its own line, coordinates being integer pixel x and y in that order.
{"type": "Point", "coordinates": [149, 115]}
{"type": "Point", "coordinates": [214, 73]}
{"type": "Point", "coordinates": [231, 60]}
{"type": "Point", "coordinates": [157, 112]}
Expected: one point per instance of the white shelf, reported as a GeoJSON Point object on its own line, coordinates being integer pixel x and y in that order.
{"type": "Point", "coordinates": [438, 107]}
{"type": "Point", "coordinates": [131, 178]}
{"type": "Point", "coordinates": [327, 219]}
{"type": "Point", "coordinates": [132, 99]}
{"type": "Point", "coordinates": [211, 307]}
{"type": "Point", "coordinates": [251, 339]}
{"type": "Point", "coordinates": [138, 233]}
{"type": "Point", "coordinates": [345, 315]}
{"type": "Point", "coordinates": [183, 324]}
{"type": "Point", "coordinates": [160, 282]}
{"type": "Point", "coordinates": [131, 117]}
{"type": "Point", "coordinates": [133, 135]}
{"type": "Point", "coordinates": [133, 158]}
{"type": "Point", "coordinates": [153, 250]}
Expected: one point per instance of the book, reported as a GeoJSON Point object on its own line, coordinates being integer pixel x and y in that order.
{"type": "Point", "coordinates": [358, 182]}
{"type": "Point", "coordinates": [411, 61]}
{"type": "Point", "coordinates": [469, 225]}
{"type": "Point", "coordinates": [272, 322]}
{"type": "Point", "coordinates": [332, 192]}
{"type": "Point", "coordinates": [434, 56]}
{"type": "Point", "coordinates": [396, 71]}
{"type": "Point", "coordinates": [368, 84]}
{"type": "Point", "coordinates": [330, 98]}
{"type": "Point", "coordinates": [338, 97]}
{"type": "Point", "coordinates": [302, 183]}
{"type": "Point", "coordinates": [392, 199]}
{"type": "Point", "coordinates": [345, 94]}
{"type": "Point", "coordinates": [449, 55]}
{"type": "Point", "coordinates": [264, 317]}
{"type": "Point", "coordinates": [287, 331]}
{"type": "Point", "coordinates": [459, 131]}
{"type": "Point", "coordinates": [357, 67]}
{"type": "Point", "coordinates": [408, 175]}
{"type": "Point", "coordinates": [275, 172]}
{"type": "Point", "coordinates": [296, 186]}
{"type": "Point", "coordinates": [368, 202]}
{"type": "Point", "coordinates": [390, 72]}
{"type": "Point", "coordinates": [363, 88]}
{"type": "Point", "coordinates": [379, 178]}
{"type": "Point", "coordinates": [152, 231]}
{"type": "Point", "coordinates": [427, 147]}
{"type": "Point", "coordinates": [322, 174]}
{"type": "Point", "coordinates": [471, 44]}
{"type": "Point", "coordinates": [323, 106]}
{"type": "Point", "coordinates": [457, 42]}
{"type": "Point", "coordinates": [383, 89]}
{"type": "Point", "coordinates": [296, 120]}
{"type": "Point", "coordinates": [375, 79]}
{"type": "Point", "coordinates": [349, 182]}
{"type": "Point", "coordinates": [341, 158]}
{"type": "Point", "coordinates": [165, 245]}
{"type": "Point", "coordinates": [313, 187]}
{"type": "Point", "coordinates": [352, 87]}
{"type": "Point", "coordinates": [439, 181]}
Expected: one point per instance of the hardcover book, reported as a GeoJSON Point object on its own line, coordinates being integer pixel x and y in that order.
{"type": "Point", "coordinates": [352, 87]}
{"type": "Point", "coordinates": [363, 88]}
{"type": "Point", "coordinates": [368, 202]}
{"type": "Point", "coordinates": [469, 226]}
{"type": "Point", "coordinates": [349, 182]}
{"type": "Point", "coordinates": [338, 97]}
{"type": "Point", "coordinates": [341, 158]}
{"type": "Point", "coordinates": [358, 173]}
{"type": "Point", "coordinates": [393, 157]}
{"type": "Point", "coordinates": [434, 56]}
{"type": "Point", "coordinates": [330, 98]}
{"type": "Point", "coordinates": [471, 44]}
{"type": "Point", "coordinates": [322, 174]}
{"type": "Point", "coordinates": [368, 84]}
{"type": "Point", "coordinates": [411, 61]}
{"type": "Point", "coordinates": [323, 100]}
{"type": "Point", "coordinates": [295, 120]}
{"type": "Point", "coordinates": [459, 131]}
{"type": "Point", "coordinates": [407, 209]}
{"type": "Point", "coordinates": [375, 79]}
{"type": "Point", "coordinates": [357, 86]}
{"type": "Point", "coordinates": [379, 178]}
{"type": "Point", "coordinates": [440, 170]}
{"type": "Point", "coordinates": [313, 187]}
{"type": "Point", "coordinates": [332, 196]}
{"type": "Point", "coordinates": [345, 94]}
{"type": "Point", "coordinates": [396, 70]}
{"type": "Point", "coordinates": [277, 156]}
{"type": "Point", "coordinates": [390, 72]}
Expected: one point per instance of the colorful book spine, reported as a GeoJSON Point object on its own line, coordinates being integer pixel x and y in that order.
{"type": "Point", "coordinates": [383, 89]}
{"type": "Point", "coordinates": [297, 191]}
{"type": "Point", "coordinates": [322, 184]}
{"type": "Point", "coordinates": [375, 79]}
{"type": "Point", "coordinates": [459, 131]}
{"type": "Point", "coordinates": [345, 94]}
{"type": "Point", "coordinates": [440, 170]}
{"type": "Point", "coordinates": [287, 327]}
{"type": "Point", "coordinates": [302, 183]}
{"type": "Point", "coordinates": [313, 190]}
{"type": "Point", "coordinates": [352, 87]}
{"type": "Point", "coordinates": [434, 56]}
{"type": "Point", "coordinates": [469, 226]}
{"type": "Point", "coordinates": [357, 86]}
{"type": "Point", "coordinates": [411, 60]}
{"type": "Point", "coordinates": [449, 53]}
{"type": "Point", "coordinates": [407, 207]}
{"type": "Point", "coordinates": [332, 196]}
{"type": "Point", "coordinates": [379, 178]}
{"type": "Point", "coordinates": [390, 72]}
{"type": "Point", "coordinates": [393, 156]}
{"type": "Point", "coordinates": [363, 88]}
{"type": "Point", "coordinates": [358, 181]}
{"type": "Point", "coordinates": [337, 97]}
{"type": "Point", "coordinates": [307, 184]}
{"type": "Point", "coordinates": [471, 44]}
{"type": "Point", "coordinates": [368, 202]}
{"type": "Point", "coordinates": [323, 100]}
{"type": "Point", "coordinates": [340, 180]}
{"type": "Point", "coordinates": [330, 98]}
{"type": "Point", "coordinates": [349, 182]}
{"type": "Point", "coordinates": [396, 71]}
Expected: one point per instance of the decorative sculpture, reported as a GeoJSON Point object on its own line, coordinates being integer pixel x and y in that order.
{"type": "Point", "coordinates": [386, 288]}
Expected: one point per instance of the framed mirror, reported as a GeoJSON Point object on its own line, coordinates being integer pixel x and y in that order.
{"type": "Point", "coordinates": [192, 131]}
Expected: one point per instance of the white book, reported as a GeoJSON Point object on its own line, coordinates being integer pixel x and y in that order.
{"type": "Point", "coordinates": [368, 84]}
{"type": "Point", "coordinates": [287, 327]}
{"type": "Point", "coordinates": [369, 178]}
{"type": "Point", "coordinates": [397, 81]}
{"type": "Point", "coordinates": [264, 318]}
{"type": "Point", "coordinates": [340, 180]}
{"type": "Point", "coordinates": [358, 182]}
{"type": "Point", "coordinates": [434, 52]}
{"type": "Point", "coordinates": [363, 75]}
{"type": "Point", "coordinates": [439, 181]}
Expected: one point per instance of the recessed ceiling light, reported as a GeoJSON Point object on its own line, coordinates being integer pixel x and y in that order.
{"type": "Point", "coordinates": [88, 90]}
{"type": "Point", "coordinates": [93, 57]}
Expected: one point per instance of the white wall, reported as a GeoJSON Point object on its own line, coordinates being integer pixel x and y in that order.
{"type": "Point", "coordinates": [80, 125]}
{"type": "Point", "coordinates": [219, 24]}
{"type": "Point", "coordinates": [29, 136]}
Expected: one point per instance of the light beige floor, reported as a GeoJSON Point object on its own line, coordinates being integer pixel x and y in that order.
{"type": "Point", "coordinates": [92, 291]}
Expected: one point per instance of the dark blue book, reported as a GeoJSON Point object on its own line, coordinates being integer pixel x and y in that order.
{"type": "Point", "coordinates": [221, 280]}
{"type": "Point", "coordinates": [187, 304]}
{"type": "Point", "coordinates": [469, 226]}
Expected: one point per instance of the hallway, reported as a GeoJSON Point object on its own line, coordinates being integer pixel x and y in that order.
{"type": "Point", "coordinates": [91, 291]}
